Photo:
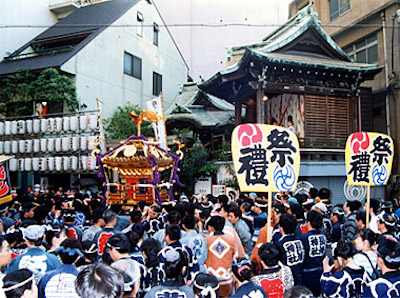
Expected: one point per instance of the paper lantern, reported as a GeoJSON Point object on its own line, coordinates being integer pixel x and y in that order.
{"type": "Point", "coordinates": [1, 147]}
{"type": "Point", "coordinates": [28, 164]}
{"type": "Point", "coordinates": [50, 144]}
{"type": "Point", "coordinates": [28, 146]}
{"type": "Point", "coordinates": [21, 146]}
{"type": "Point", "coordinates": [58, 163]}
{"type": "Point", "coordinates": [1, 128]}
{"type": "Point", "coordinates": [65, 144]}
{"type": "Point", "coordinates": [43, 145]}
{"type": "Point", "coordinates": [7, 147]}
{"type": "Point", "coordinates": [73, 163]}
{"type": "Point", "coordinates": [59, 124]}
{"type": "Point", "coordinates": [74, 143]}
{"type": "Point", "coordinates": [14, 147]}
{"type": "Point", "coordinates": [65, 163]}
{"type": "Point", "coordinates": [13, 165]}
{"type": "Point", "coordinates": [84, 164]}
{"type": "Point", "coordinates": [43, 125]}
{"type": "Point", "coordinates": [36, 145]}
{"type": "Point", "coordinates": [92, 122]}
{"type": "Point", "coordinates": [43, 164]}
{"type": "Point", "coordinates": [91, 163]}
{"type": "Point", "coordinates": [7, 128]}
{"type": "Point", "coordinates": [66, 124]}
{"type": "Point", "coordinates": [14, 127]}
{"type": "Point", "coordinates": [36, 164]}
{"type": "Point", "coordinates": [73, 123]}
{"type": "Point", "coordinates": [50, 164]}
{"type": "Point", "coordinates": [51, 124]}
{"type": "Point", "coordinates": [29, 126]}
{"type": "Point", "coordinates": [91, 141]}
{"type": "Point", "coordinates": [36, 126]}
{"type": "Point", "coordinates": [21, 127]}
{"type": "Point", "coordinates": [21, 164]}
{"type": "Point", "coordinates": [83, 122]}
{"type": "Point", "coordinates": [57, 144]}
{"type": "Point", "coordinates": [83, 141]}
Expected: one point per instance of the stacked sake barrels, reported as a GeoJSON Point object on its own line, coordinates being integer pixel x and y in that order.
{"type": "Point", "coordinates": [59, 144]}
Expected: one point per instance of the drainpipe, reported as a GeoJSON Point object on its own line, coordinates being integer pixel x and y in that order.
{"type": "Point", "coordinates": [386, 72]}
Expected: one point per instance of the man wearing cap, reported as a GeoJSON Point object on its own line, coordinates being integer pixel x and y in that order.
{"type": "Point", "coordinates": [36, 259]}
{"type": "Point", "coordinates": [337, 216]}
{"type": "Point", "coordinates": [260, 217]}
{"type": "Point", "coordinates": [27, 214]}
{"type": "Point", "coordinates": [253, 196]}
{"type": "Point", "coordinates": [389, 262]}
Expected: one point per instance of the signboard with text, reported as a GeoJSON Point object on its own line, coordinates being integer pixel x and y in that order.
{"type": "Point", "coordinates": [266, 158]}
{"type": "Point", "coordinates": [369, 158]}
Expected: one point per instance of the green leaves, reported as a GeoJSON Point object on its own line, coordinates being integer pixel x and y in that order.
{"type": "Point", "coordinates": [20, 91]}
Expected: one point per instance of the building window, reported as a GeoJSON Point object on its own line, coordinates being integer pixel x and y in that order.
{"type": "Point", "coordinates": [155, 34]}
{"type": "Point", "coordinates": [140, 24]}
{"type": "Point", "coordinates": [157, 83]}
{"type": "Point", "coordinates": [365, 50]}
{"type": "Point", "coordinates": [338, 8]}
{"type": "Point", "coordinates": [132, 66]}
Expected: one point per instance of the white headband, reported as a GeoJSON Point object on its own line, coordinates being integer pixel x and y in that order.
{"type": "Point", "coordinates": [205, 291]}
{"type": "Point", "coordinates": [16, 286]}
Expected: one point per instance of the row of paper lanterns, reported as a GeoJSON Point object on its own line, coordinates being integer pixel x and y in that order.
{"type": "Point", "coordinates": [52, 164]}
{"type": "Point", "coordinates": [65, 144]}
{"type": "Point", "coordinates": [59, 124]}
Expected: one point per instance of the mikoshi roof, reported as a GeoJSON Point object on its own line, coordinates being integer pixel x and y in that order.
{"type": "Point", "coordinates": [73, 32]}
{"type": "Point", "coordinates": [280, 47]}
{"type": "Point", "coordinates": [202, 109]}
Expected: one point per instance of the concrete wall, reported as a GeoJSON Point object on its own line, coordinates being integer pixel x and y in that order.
{"type": "Point", "coordinates": [22, 12]}
{"type": "Point", "coordinates": [204, 47]}
{"type": "Point", "coordinates": [98, 67]}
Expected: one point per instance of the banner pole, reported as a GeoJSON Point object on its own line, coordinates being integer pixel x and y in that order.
{"type": "Point", "coordinates": [269, 232]}
{"type": "Point", "coordinates": [368, 204]}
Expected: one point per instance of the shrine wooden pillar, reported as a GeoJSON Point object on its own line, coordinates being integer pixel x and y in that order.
{"type": "Point", "coordinates": [238, 112]}
{"type": "Point", "coordinates": [260, 109]}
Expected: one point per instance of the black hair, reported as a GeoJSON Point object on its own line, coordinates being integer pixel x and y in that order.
{"type": "Point", "coordinates": [315, 219]}
{"type": "Point", "coordinates": [288, 223]}
{"type": "Point", "coordinates": [151, 247]}
{"type": "Point", "coordinates": [97, 214]}
{"type": "Point", "coordinates": [361, 215]}
{"type": "Point", "coordinates": [53, 233]}
{"type": "Point", "coordinates": [174, 217]}
{"type": "Point", "coordinates": [86, 245]}
{"type": "Point", "coordinates": [313, 193]}
{"type": "Point", "coordinates": [173, 270]}
{"type": "Point", "coordinates": [173, 231]}
{"type": "Point", "coordinates": [69, 215]}
{"type": "Point", "coordinates": [389, 251]}
{"type": "Point", "coordinates": [298, 292]}
{"type": "Point", "coordinates": [135, 216]}
{"type": "Point", "coordinates": [389, 221]}
{"type": "Point", "coordinates": [367, 234]}
{"type": "Point", "coordinates": [279, 208]}
{"type": "Point", "coordinates": [344, 249]}
{"type": "Point", "coordinates": [15, 277]}
{"type": "Point", "coordinates": [241, 272]}
{"type": "Point", "coordinates": [204, 280]}
{"type": "Point", "coordinates": [223, 199]}
{"type": "Point", "coordinates": [324, 194]}
{"type": "Point", "coordinates": [296, 210]}
{"type": "Point", "coordinates": [217, 222]}
{"type": "Point", "coordinates": [354, 205]}
{"type": "Point", "coordinates": [236, 212]}
{"type": "Point", "coordinates": [375, 204]}
{"type": "Point", "coordinates": [67, 257]}
{"type": "Point", "coordinates": [189, 222]}
{"type": "Point", "coordinates": [246, 206]}
{"type": "Point", "coordinates": [269, 254]}
{"type": "Point", "coordinates": [109, 216]}
{"type": "Point", "coordinates": [99, 280]}
{"type": "Point", "coordinates": [133, 239]}
{"type": "Point", "coordinates": [120, 242]}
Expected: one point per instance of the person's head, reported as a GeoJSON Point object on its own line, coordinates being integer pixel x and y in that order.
{"type": "Point", "coordinates": [297, 211]}
{"type": "Point", "coordinates": [110, 218]}
{"type": "Point", "coordinates": [33, 235]}
{"type": "Point", "coordinates": [90, 250]}
{"type": "Point", "coordinates": [298, 292]}
{"type": "Point", "coordinates": [20, 284]}
{"type": "Point", "coordinates": [269, 255]}
{"type": "Point", "coordinates": [28, 210]}
{"type": "Point", "coordinates": [205, 286]}
{"type": "Point", "coordinates": [188, 222]}
{"type": "Point", "coordinates": [314, 220]}
{"type": "Point", "coordinates": [351, 206]}
{"type": "Point", "coordinates": [375, 205]}
{"type": "Point", "coordinates": [241, 269]}
{"type": "Point", "coordinates": [98, 216]}
{"type": "Point", "coordinates": [277, 210]}
{"type": "Point", "coordinates": [154, 211]}
{"type": "Point", "coordinates": [54, 236]}
{"type": "Point", "coordinates": [245, 207]}
{"type": "Point", "coordinates": [361, 219]}
{"type": "Point", "coordinates": [388, 254]}
{"type": "Point", "coordinates": [99, 280]}
{"type": "Point", "coordinates": [216, 224]}
{"type": "Point", "coordinates": [5, 252]}
{"type": "Point", "coordinates": [288, 224]}
{"type": "Point", "coordinates": [343, 252]}
{"type": "Point", "coordinates": [174, 218]}
{"type": "Point", "coordinates": [223, 200]}
{"type": "Point", "coordinates": [172, 233]}
{"type": "Point", "coordinates": [386, 223]}
{"type": "Point", "coordinates": [253, 195]}
{"type": "Point", "coordinates": [224, 211]}
{"type": "Point", "coordinates": [324, 194]}
{"type": "Point", "coordinates": [118, 246]}
{"type": "Point", "coordinates": [70, 251]}
{"type": "Point", "coordinates": [135, 216]}
{"type": "Point", "coordinates": [337, 214]}
{"type": "Point", "coordinates": [290, 120]}
{"type": "Point", "coordinates": [313, 193]}
{"type": "Point", "coordinates": [175, 263]}
{"type": "Point", "coordinates": [150, 248]}
{"type": "Point", "coordinates": [234, 215]}
{"type": "Point", "coordinates": [365, 239]}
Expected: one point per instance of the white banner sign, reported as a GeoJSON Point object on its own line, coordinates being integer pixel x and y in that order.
{"type": "Point", "coordinates": [155, 105]}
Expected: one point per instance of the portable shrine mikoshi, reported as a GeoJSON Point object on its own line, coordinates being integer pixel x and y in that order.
{"type": "Point", "coordinates": [138, 161]}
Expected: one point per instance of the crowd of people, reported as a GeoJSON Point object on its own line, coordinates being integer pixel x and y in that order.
{"type": "Point", "coordinates": [67, 244]}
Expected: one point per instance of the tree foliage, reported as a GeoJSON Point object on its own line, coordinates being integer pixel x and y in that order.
{"type": "Point", "coordinates": [120, 125]}
{"type": "Point", "coordinates": [20, 91]}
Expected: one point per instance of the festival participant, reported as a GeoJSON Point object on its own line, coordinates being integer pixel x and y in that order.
{"type": "Point", "coordinates": [36, 258]}
{"type": "Point", "coordinates": [101, 237]}
{"type": "Point", "coordinates": [61, 281]}
{"type": "Point", "coordinates": [350, 226]}
{"type": "Point", "coordinates": [53, 237]}
{"type": "Point", "coordinates": [27, 214]}
{"type": "Point", "coordinates": [89, 250]}
{"type": "Point", "coordinates": [172, 238]}
{"type": "Point", "coordinates": [274, 278]}
{"type": "Point", "coordinates": [5, 259]}
{"type": "Point", "coordinates": [220, 254]}
{"type": "Point", "coordinates": [134, 218]}
{"type": "Point", "coordinates": [97, 225]}
{"type": "Point", "coordinates": [361, 219]}
{"type": "Point", "coordinates": [73, 231]}
{"type": "Point", "coordinates": [54, 217]}
{"type": "Point", "coordinates": [20, 284]}
{"type": "Point", "coordinates": [315, 247]}
{"type": "Point", "coordinates": [242, 274]}
{"type": "Point", "coordinates": [175, 262]}
{"type": "Point", "coordinates": [196, 242]}
{"type": "Point", "coordinates": [205, 286]}
{"type": "Point", "coordinates": [173, 218]}
{"type": "Point", "coordinates": [154, 221]}
{"type": "Point", "coordinates": [389, 262]}
{"type": "Point", "coordinates": [337, 216]}
{"type": "Point", "coordinates": [375, 206]}
{"type": "Point", "coordinates": [234, 217]}
{"type": "Point", "coordinates": [135, 238]}
{"type": "Point", "coordinates": [99, 280]}
{"type": "Point", "coordinates": [154, 273]}
{"type": "Point", "coordinates": [366, 257]}
{"type": "Point", "coordinates": [349, 280]}
{"type": "Point", "coordinates": [387, 224]}
{"type": "Point", "coordinates": [291, 248]}
{"type": "Point", "coordinates": [260, 217]}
